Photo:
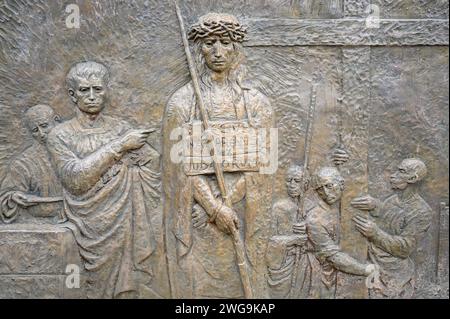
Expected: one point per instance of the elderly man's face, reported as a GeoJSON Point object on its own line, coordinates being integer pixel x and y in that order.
{"type": "Point", "coordinates": [331, 190]}
{"type": "Point", "coordinates": [40, 126]}
{"type": "Point", "coordinates": [399, 179]}
{"type": "Point", "coordinates": [295, 183]}
{"type": "Point", "coordinates": [219, 53]}
{"type": "Point", "coordinates": [90, 95]}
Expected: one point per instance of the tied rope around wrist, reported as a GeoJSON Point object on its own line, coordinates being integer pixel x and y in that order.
{"type": "Point", "coordinates": [373, 280]}
{"type": "Point", "coordinates": [213, 217]}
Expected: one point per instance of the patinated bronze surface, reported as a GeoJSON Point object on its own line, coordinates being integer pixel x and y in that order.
{"type": "Point", "coordinates": [224, 149]}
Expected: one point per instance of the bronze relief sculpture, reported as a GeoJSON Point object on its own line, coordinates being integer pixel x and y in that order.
{"type": "Point", "coordinates": [159, 172]}
{"type": "Point", "coordinates": [108, 174]}
{"type": "Point", "coordinates": [31, 180]}
{"type": "Point", "coordinates": [204, 256]}
{"type": "Point", "coordinates": [399, 225]}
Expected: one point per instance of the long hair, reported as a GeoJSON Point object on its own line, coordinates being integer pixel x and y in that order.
{"type": "Point", "coordinates": [234, 78]}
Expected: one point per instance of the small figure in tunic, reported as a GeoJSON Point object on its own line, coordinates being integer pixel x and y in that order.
{"type": "Point", "coordinates": [31, 191]}
{"type": "Point", "coordinates": [395, 228]}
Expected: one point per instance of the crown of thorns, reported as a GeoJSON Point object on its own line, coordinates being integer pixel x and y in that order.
{"type": "Point", "coordinates": [207, 27]}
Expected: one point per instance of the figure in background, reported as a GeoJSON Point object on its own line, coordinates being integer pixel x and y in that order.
{"type": "Point", "coordinates": [111, 188]}
{"type": "Point", "coordinates": [31, 188]}
{"type": "Point", "coordinates": [324, 256]}
{"type": "Point", "coordinates": [289, 238]}
{"type": "Point", "coordinates": [395, 228]}
{"type": "Point", "coordinates": [286, 269]}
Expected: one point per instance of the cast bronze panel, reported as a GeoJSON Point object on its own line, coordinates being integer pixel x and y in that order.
{"type": "Point", "coordinates": [96, 203]}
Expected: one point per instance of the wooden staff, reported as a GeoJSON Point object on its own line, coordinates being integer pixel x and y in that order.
{"type": "Point", "coordinates": [238, 244]}
{"type": "Point", "coordinates": [301, 200]}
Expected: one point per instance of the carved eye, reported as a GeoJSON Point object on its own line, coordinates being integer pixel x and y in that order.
{"type": "Point", "coordinates": [98, 88]}
{"type": "Point", "coordinates": [44, 125]}
{"type": "Point", "coordinates": [35, 130]}
{"type": "Point", "coordinates": [83, 89]}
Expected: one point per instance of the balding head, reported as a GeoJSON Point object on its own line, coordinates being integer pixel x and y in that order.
{"type": "Point", "coordinates": [329, 184]}
{"type": "Point", "coordinates": [325, 174]}
{"type": "Point", "coordinates": [40, 119]}
{"type": "Point", "coordinates": [410, 171]}
{"type": "Point", "coordinates": [296, 180]}
{"type": "Point", "coordinates": [415, 166]}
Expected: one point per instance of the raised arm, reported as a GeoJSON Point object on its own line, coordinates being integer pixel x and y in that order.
{"type": "Point", "coordinates": [399, 245]}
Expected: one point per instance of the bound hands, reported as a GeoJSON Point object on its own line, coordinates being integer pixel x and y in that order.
{"type": "Point", "coordinates": [364, 224]}
{"type": "Point", "coordinates": [24, 200]}
{"type": "Point", "coordinates": [226, 219]}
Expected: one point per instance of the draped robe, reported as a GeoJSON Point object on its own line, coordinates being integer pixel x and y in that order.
{"type": "Point", "coordinates": [202, 262]}
{"type": "Point", "coordinates": [111, 219]}
{"type": "Point", "coordinates": [30, 173]}
{"type": "Point", "coordinates": [402, 225]}
{"type": "Point", "coordinates": [281, 254]}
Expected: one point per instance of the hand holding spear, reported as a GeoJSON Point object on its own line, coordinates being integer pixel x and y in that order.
{"type": "Point", "coordinates": [238, 244]}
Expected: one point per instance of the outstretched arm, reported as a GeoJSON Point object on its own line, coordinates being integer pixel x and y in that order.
{"type": "Point", "coordinates": [81, 174]}
{"type": "Point", "coordinates": [345, 263]}
{"type": "Point", "coordinates": [328, 250]}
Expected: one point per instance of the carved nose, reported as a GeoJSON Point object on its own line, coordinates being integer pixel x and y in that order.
{"type": "Point", "coordinates": [218, 52]}
{"type": "Point", "coordinates": [41, 133]}
{"type": "Point", "coordinates": [91, 95]}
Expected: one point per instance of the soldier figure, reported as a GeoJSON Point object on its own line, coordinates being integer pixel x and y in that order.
{"type": "Point", "coordinates": [324, 256]}
{"type": "Point", "coordinates": [395, 229]}
{"type": "Point", "coordinates": [289, 236]}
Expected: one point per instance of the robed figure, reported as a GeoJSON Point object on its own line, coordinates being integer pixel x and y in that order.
{"type": "Point", "coordinates": [30, 190]}
{"type": "Point", "coordinates": [200, 251]}
{"type": "Point", "coordinates": [111, 182]}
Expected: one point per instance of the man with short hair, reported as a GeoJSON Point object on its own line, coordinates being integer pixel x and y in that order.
{"type": "Point", "coordinates": [325, 257]}
{"type": "Point", "coordinates": [290, 235]}
{"type": "Point", "coordinates": [31, 188]}
{"type": "Point", "coordinates": [397, 227]}
{"type": "Point", "coordinates": [111, 188]}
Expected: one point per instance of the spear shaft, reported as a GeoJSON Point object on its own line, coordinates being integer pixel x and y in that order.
{"type": "Point", "coordinates": [301, 200]}
{"type": "Point", "coordinates": [238, 244]}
